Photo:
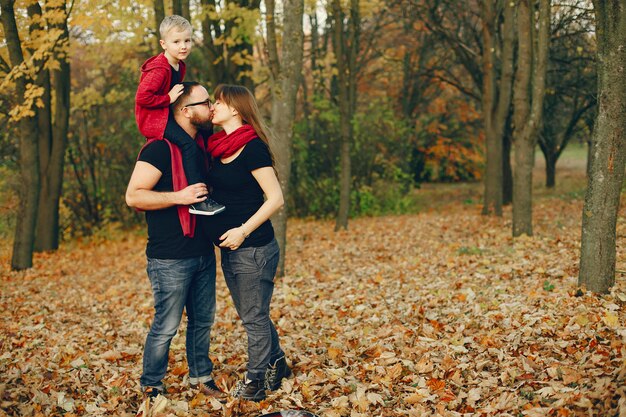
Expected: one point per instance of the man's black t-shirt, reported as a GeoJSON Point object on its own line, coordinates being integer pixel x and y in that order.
{"type": "Point", "coordinates": [165, 235]}
{"type": "Point", "coordinates": [235, 187]}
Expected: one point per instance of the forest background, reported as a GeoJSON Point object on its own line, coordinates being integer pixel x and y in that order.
{"type": "Point", "coordinates": [415, 99]}
{"type": "Point", "coordinates": [421, 121]}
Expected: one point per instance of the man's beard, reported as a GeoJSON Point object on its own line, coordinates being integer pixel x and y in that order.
{"type": "Point", "coordinates": [201, 125]}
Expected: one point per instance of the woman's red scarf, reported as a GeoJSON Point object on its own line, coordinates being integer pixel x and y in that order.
{"type": "Point", "coordinates": [221, 145]}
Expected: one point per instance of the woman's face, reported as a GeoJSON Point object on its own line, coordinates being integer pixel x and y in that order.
{"type": "Point", "coordinates": [222, 113]}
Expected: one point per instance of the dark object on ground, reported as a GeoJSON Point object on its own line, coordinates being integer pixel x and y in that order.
{"type": "Point", "coordinates": [290, 413]}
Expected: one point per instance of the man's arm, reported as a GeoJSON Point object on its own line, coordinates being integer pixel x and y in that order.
{"type": "Point", "coordinates": [140, 193]}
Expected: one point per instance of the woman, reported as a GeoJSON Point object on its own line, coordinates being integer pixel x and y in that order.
{"type": "Point", "coordinates": [241, 174]}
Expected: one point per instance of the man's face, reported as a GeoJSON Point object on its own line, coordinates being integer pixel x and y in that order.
{"type": "Point", "coordinates": [176, 44]}
{"type": "Point", "coordinates": [198, 106]}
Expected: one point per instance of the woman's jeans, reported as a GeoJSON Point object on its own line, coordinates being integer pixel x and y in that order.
{"type": "Point", "coordinates": [249, 274]}
{"type": "Point", "coordinates": [177, 284]}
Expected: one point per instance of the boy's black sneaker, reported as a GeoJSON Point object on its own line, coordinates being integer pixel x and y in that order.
{"type": "Point", "coordinates": [275, 373]}
{"type": "Point", "coordinates": [250, 390]}
{"type": "Point", "coordinates": [207, 207]}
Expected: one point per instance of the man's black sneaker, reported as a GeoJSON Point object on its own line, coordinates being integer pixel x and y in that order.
{"type": "Point", "coordinates": [207, 207]}
{"type": "Point", "coordinates": [151, 392]}
{"type": "Point", "coordinates": [275, 373]}
{"type": "Point", "coordinates": [250, 390]}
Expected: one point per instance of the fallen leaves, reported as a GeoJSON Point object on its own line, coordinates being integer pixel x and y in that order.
{"type": "Point", "coordinates": [433, 314]}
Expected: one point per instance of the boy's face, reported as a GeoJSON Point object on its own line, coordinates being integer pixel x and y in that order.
{"type": "Point", "coordinates": [176, 44]}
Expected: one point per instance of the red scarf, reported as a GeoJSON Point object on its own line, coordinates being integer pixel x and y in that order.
{"type": "Point", "coordinates": [222, 145]}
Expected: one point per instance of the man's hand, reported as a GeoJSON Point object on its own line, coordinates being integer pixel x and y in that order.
{"type": "Point", "coordinates": [140, 193]}
{"type": "Point", "coordinates": [193, 193]}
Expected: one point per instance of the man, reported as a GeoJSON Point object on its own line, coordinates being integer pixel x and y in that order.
{"type": "Point", "coordinates": [181, 260]}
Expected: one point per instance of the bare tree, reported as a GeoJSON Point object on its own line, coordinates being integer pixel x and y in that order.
{"type": "Point", "coordinates": [346, 46]}
{"type": "Point", "coordinates": [496, 100]}
{"type": "Point", "coordinates": [571, 82]}
{"type": "Point", "coordinates": [608, 151]}
{"type": "Point", "coordinates": [482, 38]}
{"type": "Point", "coordinates": [528, 110]}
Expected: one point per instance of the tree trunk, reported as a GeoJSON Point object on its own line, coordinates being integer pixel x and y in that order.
{"type": "Point", "coordinates": [492, 200]}
{"type": "Point", "coordinates": [588, 162]}
{"type": "Point", "coordinates": [550, 171]}
{"type": "Point", "coordinates": [495, 113]}
{"type": "Point", "coordinates": [346, 48]}
{"type": "Point", "coordinates": [177, 7]}
{"type": "Point", "coordinates": [286, 75]}
{"type": "Point", "coordinates": [52, 153]}
{"type": "Point", "coordinates": [608, 153]}
{"type": "Point", "coordinates": [215, 66]}
{"type": "Point", "coordinates": [345, 178]}
{"type": "Point", "coordinates": [27, 132]}
{"type": "Point", "coordinates": [528, 110]}
{"type": "Point", "coordinates": [507, 170]}
{"type": "Point", "coordinates": [159, 15]}
{"type": "Point", "coordinates": [43, 116]}
{"type": "Point", "coordinates": [185, 10]}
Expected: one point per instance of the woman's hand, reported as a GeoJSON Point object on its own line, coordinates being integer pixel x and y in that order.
{"type": "Point", "coordinates": [233, 238]}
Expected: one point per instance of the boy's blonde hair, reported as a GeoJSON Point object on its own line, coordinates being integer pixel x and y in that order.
{"type": "Point", "coordinates": [174, 22]}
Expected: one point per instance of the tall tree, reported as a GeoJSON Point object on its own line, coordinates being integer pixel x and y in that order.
{"type": "Point", "coordinates": [483, 43]}
{"type": "Point", "coordinates": [608, 153]}
{"type": "Point", "coordinates": [346, 46]}
{"type": "Point", "coordinates": [159, 15]}
{"type": "Point", "coordinates": [186, 10]}
{"type": "Point", "coordinates": [53, 143]}
{"type": "Point", "coordinates": [496, 99]}
{"type": "Point", "coordinates": [40, 75]}
{"type": "Point", "coordinates": [286, 72]}
{"type": "Point", "coordinates": [27, 132]}
{"type": "Point", "coordinates": [571, 82]}
{"type": "Point", "coordinates": [528, 110]}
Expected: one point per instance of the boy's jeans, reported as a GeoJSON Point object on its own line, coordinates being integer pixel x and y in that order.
{"type": "Point", "coordinates": [249, 274]}
{"type": "Point", "coordinates": [177, 284]}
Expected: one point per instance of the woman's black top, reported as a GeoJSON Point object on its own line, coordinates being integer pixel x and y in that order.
{"type": "Point", "coordinates": [234, 186]}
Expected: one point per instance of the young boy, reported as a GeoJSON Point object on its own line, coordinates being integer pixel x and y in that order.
{"type": "Point", "coordinates": [160, 86]}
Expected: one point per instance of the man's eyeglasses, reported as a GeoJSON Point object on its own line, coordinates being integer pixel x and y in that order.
{"type": "Point", "coordinates": [207, 102]}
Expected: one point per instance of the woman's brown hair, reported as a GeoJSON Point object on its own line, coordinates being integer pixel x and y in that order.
{"type": "Point", "coordinates": [241, 99]}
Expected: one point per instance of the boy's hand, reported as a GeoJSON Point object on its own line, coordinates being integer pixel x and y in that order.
{"type": "Point", "coordinates": [175, 92]}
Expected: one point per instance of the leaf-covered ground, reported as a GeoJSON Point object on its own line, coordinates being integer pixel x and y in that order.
{"type": "Point", "coordinates": [436, 314]}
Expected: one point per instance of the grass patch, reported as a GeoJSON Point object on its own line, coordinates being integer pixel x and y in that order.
{"type": "Point", "coordinates": [469, 250]}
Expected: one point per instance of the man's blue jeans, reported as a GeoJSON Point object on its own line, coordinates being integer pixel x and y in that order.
{"type": "Point", "coordinates": [177, 284]}
{"type": "Point", "coordinates": [249, 274]}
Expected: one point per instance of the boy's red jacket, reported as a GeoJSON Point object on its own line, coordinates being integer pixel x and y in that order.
{"type": "Point", "coordinates": [152, 103]}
